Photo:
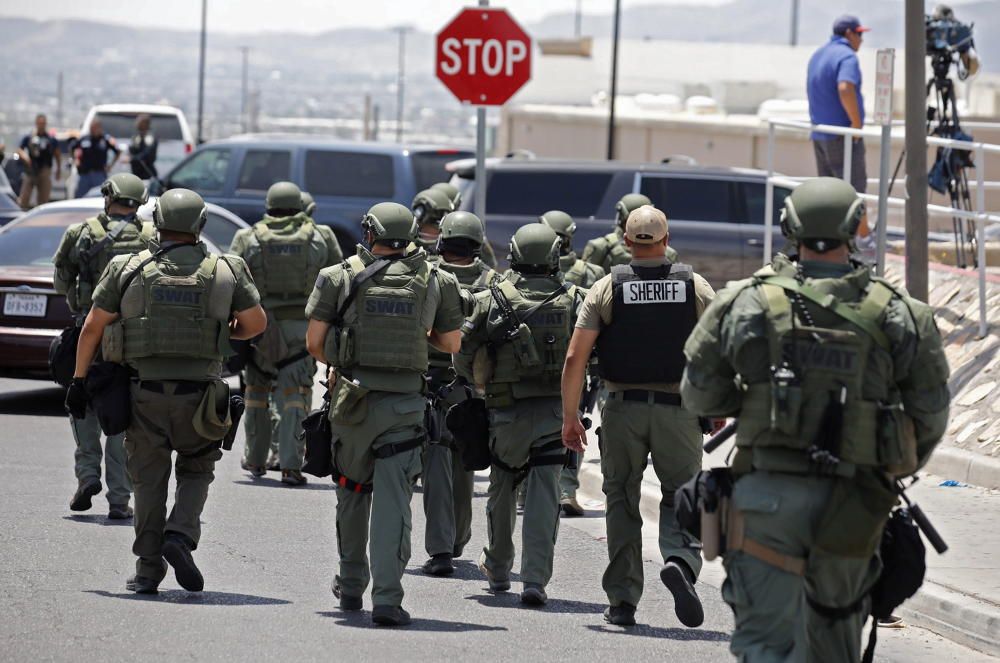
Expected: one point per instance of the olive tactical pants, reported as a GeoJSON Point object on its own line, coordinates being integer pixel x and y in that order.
{"type": "Point", "coordinates": [569, 480]}
{"type": "Point", "coordinates": [630, 432]}
{"type": "Point", "coordinates": [516, 433]}
{"type": "Point", "coordinates": [390, 419]}
{"type": "Point", "coordinates": [291, 394]}
{"type": "Point", "coordinates": [161, 425]}
{"type": "Point", "coordinates": [447, 491]}
{"type": "Point", "coordinates": [774, 620]}
{"type": "Point", "coordinates": [87, 433]}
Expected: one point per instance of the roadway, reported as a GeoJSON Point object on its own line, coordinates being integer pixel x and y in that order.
{"type": "Point", "coordinates": [268, 555]}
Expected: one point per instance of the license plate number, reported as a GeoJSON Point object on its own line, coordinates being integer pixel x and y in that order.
{"type": "Point", "coordinates": [25, 306]}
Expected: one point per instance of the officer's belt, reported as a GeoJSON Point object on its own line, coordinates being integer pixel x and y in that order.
{"type": "Point", "coordinates": [737, 540]}
{"type": "Point", "coordinates": [538, 456]}
{"type": "Point", "coordinates": [182, 387]}
{"type": "Point", "coordinates": [392, 449]}
{"type": "Point", "coordinates": [349, 484]}
{"type": "Point", "coordinates": [646, 396]}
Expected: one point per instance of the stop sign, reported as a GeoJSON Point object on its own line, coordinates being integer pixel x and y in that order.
{"type": "Point", "coordinates": [483, 56]}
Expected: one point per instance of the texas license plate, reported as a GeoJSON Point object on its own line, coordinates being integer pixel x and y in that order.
{"type": "Point", "coordinates": [25, 306]}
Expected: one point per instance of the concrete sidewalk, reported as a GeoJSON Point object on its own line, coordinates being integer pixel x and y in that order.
{"type": "Point", "coordinates": [960, 599]}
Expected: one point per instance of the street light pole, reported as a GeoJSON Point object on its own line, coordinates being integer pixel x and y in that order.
{"type": "Point", "coordinates": [400, 82]}
{"type": "Point", "coordinates": [614, 80]}
{"type": "Point", "coordinates": [245, 90]}
{"type": "Point", "coordinates": [916, 152]}
{"type": "Point", "coordinates": [201, 74]}
{"type": "Point", "coordinates": [793, 37]}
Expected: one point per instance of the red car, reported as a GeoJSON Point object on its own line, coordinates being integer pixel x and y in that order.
{"type": "Point", "coordinates": [32, 314]}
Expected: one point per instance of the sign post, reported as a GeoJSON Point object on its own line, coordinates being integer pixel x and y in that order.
{"type": "Point", "coordinates": [884, 63]}
{"type": "Point", "coordinates": [483, 56]}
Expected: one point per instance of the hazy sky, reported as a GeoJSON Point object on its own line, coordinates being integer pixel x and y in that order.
{"type": "Point", "coordinates": [298, 15]}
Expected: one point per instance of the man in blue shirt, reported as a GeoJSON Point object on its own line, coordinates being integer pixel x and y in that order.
{"type": "Point", "coordinates": [91, 153]}
{"type": "Point", "coordinates": [833, 84]}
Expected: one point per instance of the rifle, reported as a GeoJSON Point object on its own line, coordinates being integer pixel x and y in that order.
{"type": "Point", "coordinates": [920, 518]}
{"type": "Point", "coordinates": [719, 438]}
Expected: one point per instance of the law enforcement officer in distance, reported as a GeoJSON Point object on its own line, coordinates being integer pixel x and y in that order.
{"type": "Point", "coordinates": [611, 249]}
{"type": "Point", "coordinates": [513, 350]}
{"type": "Point", "coordinates": [170, 326]}
{"type": "Point", "coordinates": [376, 335]}
{"type": "Point", "coordinates": [91, 157]}
{"type": "Point", "coordinates": [447, 487]}
{"type": "Point", "coordinates": [285, 252]}
{"type": "Point", "coordinates": [838, 380]}
{"type": "Point", "coordinates": [85, 250]}
{"type": "Point", "coordinates": [429, 207]}
{"type": "Point", "coordinates": [455, 196]}
{"type": "Point", "coordinates": [142, 149]}
{"type": "Point", "coordinates": [639, 317]}
{"type": "Point", "coordinates": [39, 151]}
{"type": "Point", "coordinates": [585, 275]}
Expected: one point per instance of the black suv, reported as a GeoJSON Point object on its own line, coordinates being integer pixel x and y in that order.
{"type": "Point", "coordinates": [716, 215]}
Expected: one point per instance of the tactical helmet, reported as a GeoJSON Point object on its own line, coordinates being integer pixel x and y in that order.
{"type": "Point", "coordinates": [454, 195]}
{"type": "Point", "coordinates": [430, 206]}
{"type": "Point", "coordinates": [283, 196]}
{"type": "Point", "coordinates": [535, 246]}
{"type": "Point", "coordinates": [125, 188]}
{"type": "Point", "coordinates": [825, 208]}
{"type": "Point", "coordinates": [308, 203]}
{"type": "Point", "coordinates": [629, 203]}
{"type": "Point", "coordinates": [180, 210]}
{"type": "Point", "coordinates": [559, 221]}
{"type": "Point", "coordinates": [391, 224]}
{"type": "Point", "coordinates": [463, 225]}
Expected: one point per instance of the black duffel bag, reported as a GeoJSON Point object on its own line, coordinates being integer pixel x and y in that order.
{"type": "Point", "coordinates": [62, 355]}
{"type": "Point", "coordinates": [108, 385]}
{"type": "Point", "coordinates": [319, 440]}
{"type": "Point", "coordinates": [469, 424]}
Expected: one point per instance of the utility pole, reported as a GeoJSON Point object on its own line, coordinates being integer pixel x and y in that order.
{"type": "Point", "coordinates": [614, 80]}
{"type": "Point", "coordinates": [400, 82]}
{"type": "Point", "coordinates": [793, 37]}
{"type": "Point", "coordinates": [916, 152]}
{"type": "Point", "coordinates": [245, 90]}
{"type": "Point", "coordinates": [579, 18]}
{"type": "Point", "coordinates": [199, 138]}
{"type": "Point", "coordinates": [59, 100]}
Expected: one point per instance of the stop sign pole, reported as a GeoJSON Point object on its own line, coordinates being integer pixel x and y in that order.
{"type": "Point", "coordinates": [483, 56]}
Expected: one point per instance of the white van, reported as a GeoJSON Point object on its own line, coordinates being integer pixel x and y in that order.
{"type": "Point", "coordinates": [118, 120]}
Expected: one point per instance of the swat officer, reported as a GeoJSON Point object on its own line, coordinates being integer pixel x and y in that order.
{"type": "Point", "coordinates": [167, 315]}
{"type": "Point", "coordinates": [513, 350]}
{"type": "Point", "coordinates": [839, 381]}
{"type": "Point", "coordinates": [650, 298]}
{"type": "Point", "coordinates": [285, 252]}
{"type": "Point", "coordinates": [455, 196]}
{"type": "Point", "coordinates": [90, 152]}
{"type": "Point", "coordinates": [429, 207]}
{"type": "Point", "coordinates": [373, 319]}
{"type": "Point", "coordinates": [308, 205]}
{"type": "Point", "coordinates": [447, 487]}
{"type": "Point", "coordinates": [611, 249]}
{"type": "Point", "coordinates": [585, 275]}
{"type": "Point", "coordinates": [85, 250]}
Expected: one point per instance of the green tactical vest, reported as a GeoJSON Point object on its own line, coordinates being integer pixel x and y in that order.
{"type": "Point", "coordinates": [529, 366]}
{"type": "Point", "coordinates": [578, 272]}
{"type": "Point", "coordinates": [131, 240]}
{"type": "Point", "coordinates": [389, 328]}
{"type": "Point", "coordinates": [285, 260]}
{"type": "Point", "coordinates": [474, 278]}
{"type": "Point", "coordinates": [845, 358]}
{"type": "Point", "coordinates": [173, 326]}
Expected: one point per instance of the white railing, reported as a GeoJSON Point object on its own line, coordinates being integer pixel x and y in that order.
{"type": "Point", "coordinates": [980, 217]}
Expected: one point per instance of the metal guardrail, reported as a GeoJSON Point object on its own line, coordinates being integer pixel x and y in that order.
{"type": "Point", "coordinates": [980, 216]}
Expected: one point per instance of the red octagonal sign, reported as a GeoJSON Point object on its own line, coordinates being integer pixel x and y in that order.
{"type": "Point", "coordinates": [483, 56]}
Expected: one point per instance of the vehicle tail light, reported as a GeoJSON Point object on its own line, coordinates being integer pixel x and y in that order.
{"type": "Point", "coordinates": [447, 151]}
{"type": "Point", "coordinates": [187, 148]}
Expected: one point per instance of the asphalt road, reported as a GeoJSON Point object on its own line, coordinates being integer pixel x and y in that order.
{"type": "Point", "coordinates": [268, 556]}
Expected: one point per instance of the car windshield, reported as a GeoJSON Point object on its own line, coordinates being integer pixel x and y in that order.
{"type": "Point", "coordinates": [122, 125]}
{"type": "Point", "coordinates": [34, 240]}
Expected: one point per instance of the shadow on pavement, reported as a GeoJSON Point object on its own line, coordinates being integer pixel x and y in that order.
{"type": "Point", "coordinates": [363, 620]}
{"type": "Point", "coordinates": [276, 483]}
{"type": "Point", "coordinates": [646, 631]}
{"type": "Point", "coordinates": [192, 598]}
{"type": "Point", "coordinates": [46, 402]}
{"type": "Point", "coordinates": [97, 519]}
{"type": "Point", "coordinates": [554, 605]}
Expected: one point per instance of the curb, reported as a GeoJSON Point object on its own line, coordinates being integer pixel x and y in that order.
{"type": "Point", "coordinates": [958, 617]}
{"type": "Point", "coordinates": [965, 466]}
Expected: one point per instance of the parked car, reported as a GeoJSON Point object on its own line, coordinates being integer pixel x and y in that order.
{"type": "Point", "coordinates": [716, 215]}
{"type": "Point", "coordinates": [344, 177]}
{"type": "Point", "coordinates": [9, 207]}
{"type": "Point", "coordinates": [32, 314]}
{"type": "Point", "coordinates": [118, 120]}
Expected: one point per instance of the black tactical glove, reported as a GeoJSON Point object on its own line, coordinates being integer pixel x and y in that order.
{"type": "Point", "coordinates": [77, 399]}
